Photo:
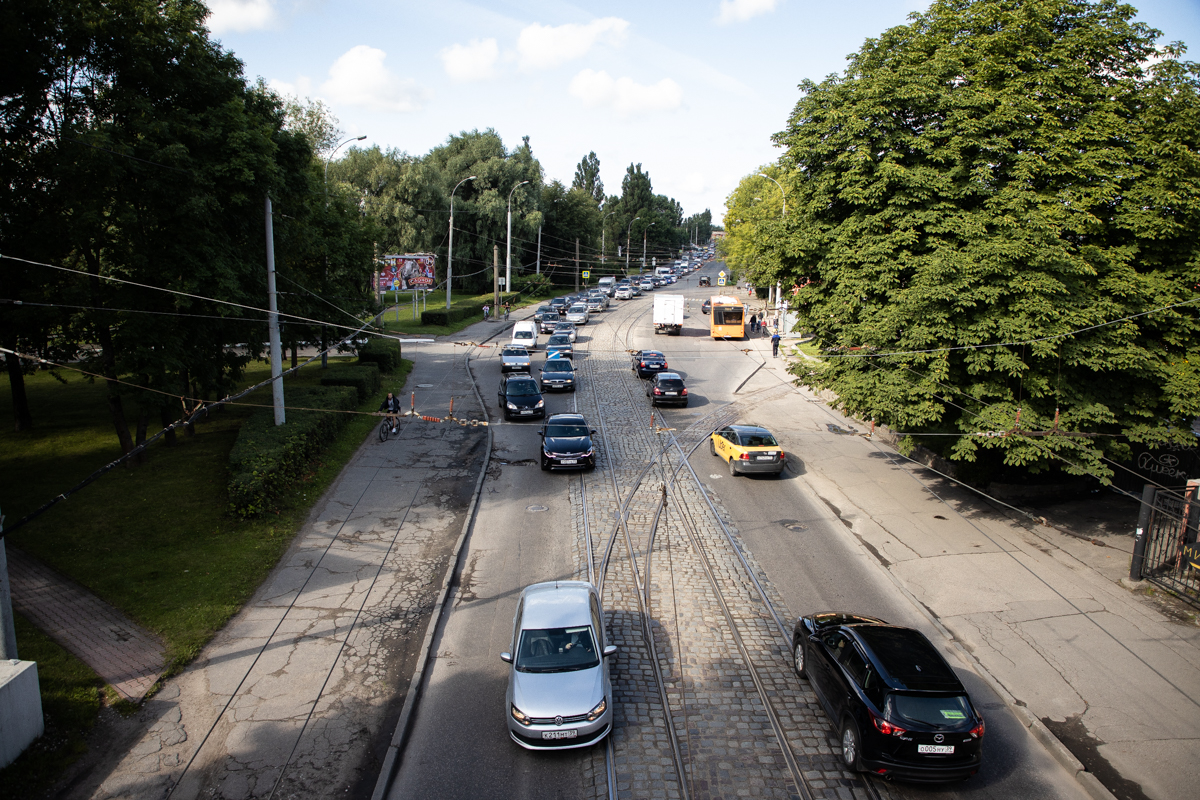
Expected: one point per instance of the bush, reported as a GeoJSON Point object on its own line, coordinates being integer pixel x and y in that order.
{"type": "Point", "coordinates": [364, 378]}
{"type": "Point", "coordinates": [267, 460]}
{"type": "Point", "coordinates": [384, 353]}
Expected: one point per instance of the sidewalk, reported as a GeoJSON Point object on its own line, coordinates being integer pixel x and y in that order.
{"type": "Point", "coordinates": [1038, 608]}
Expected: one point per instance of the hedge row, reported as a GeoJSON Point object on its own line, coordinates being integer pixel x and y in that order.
{"type": "Point", "coordinates": [267, 460]}
{"type": "Point", "coordinates": [383, 353]}
{"type": "Point", "coordinates": [443, 316]}
{"type": "Point", "coordinates": [364, 378]}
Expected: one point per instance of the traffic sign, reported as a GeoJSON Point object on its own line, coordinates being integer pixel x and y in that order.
{"type": "Point", "coordinates": [586, 274]}
{"type": "Point", "coordinates": [720, 281]}
{"type": "Point", "coordinates": [721, 274]}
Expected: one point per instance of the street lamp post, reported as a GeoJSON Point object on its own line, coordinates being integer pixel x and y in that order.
{"type": "Point", "coordinates": [781, 191]}
{"type": "Point", "coordinates": [628, 233]}
{"type": "Point", "coordinates": [324, 277]}
{"type": "Point", "coordinates": [508, 257]}
{"type": "Point", "coordinates": [603, 232]}
{"type": "Point", "coordinates": [644, 232]}
{"type": "Point", "coordinates": [450, 251]}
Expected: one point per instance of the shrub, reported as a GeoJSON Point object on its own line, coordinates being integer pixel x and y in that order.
{"type": "Point", "coordinates": [267, 460]}
{"type": "Point", "coordinates": [363, 377]}
{"type": "Point", "coordinates": [384, 353]}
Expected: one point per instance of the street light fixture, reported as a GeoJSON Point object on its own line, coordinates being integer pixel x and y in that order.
{"type": "Point", "coordinates": [644, 232]}
{"type": "Point", "coordinates": [628, 233]}
{"type": "Point", "coordinates": [330, 158]}
{"type": "Point", "coordinates": [508, 257]}
{"type": "Point", "coordinates": [450, 252]}
{"type": "Point", "coordinates": [603, 232]}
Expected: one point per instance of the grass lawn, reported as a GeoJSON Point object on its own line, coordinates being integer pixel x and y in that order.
{"type": "Point", "coordinates": [156, 541]}
{"type": "Point", "coordinates": [437, 300]}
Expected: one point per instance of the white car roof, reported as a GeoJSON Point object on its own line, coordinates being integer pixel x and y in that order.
{"type": "Point", "coordinates": [556, 604]}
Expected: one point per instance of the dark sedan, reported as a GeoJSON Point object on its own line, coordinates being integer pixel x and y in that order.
{"type": "Point", "coordinates": [558, 374]}
{"type": "Point", "coordinates": [667, 387]}
{"type": "Point", "coordinates": [900, 710]}
{"type": "Point", "coordinates": [519, 397]}
{"type": "Point", "coordinates": [560, 345]}
{"type": "Point", "coordinates": [567, 443]}
{"type": "Point", "coordinates": [648, 363]}
{"type": "Point", "coordinates": [706, 306]}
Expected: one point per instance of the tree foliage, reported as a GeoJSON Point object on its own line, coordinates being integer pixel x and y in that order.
{"type": "Point", "coordinates": [971, 206]}
{"type": "Point", "coordinates": [587, 177]}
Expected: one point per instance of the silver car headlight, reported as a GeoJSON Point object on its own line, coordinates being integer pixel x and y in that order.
{"type": "Point", "coordinates": [540, 403]}
{"type": "Point", "coordinates": [592, 715]}
{"type": "Point", "coordinates": [520, 717]}
{"type": "Point", "coordinates": [513, 406]}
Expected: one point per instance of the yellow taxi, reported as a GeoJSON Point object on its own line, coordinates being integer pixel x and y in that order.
{"type": "Point", "coordinates": [748, 449]}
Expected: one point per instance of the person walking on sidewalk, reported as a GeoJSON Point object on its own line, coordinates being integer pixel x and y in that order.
{"type": "Point", "coordinates": [753, 323]}
{"type": "Point", "coordinates": [486, 309]}
{"type": "Point", "coordinates": [775, 344]}
{"type": "Point", "coordinates": [391, 407]}
{"type": "Point", "coordinates": [506, 310]}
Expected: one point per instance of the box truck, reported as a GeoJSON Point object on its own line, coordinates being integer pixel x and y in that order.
{"type": "Point", "coordinates": [668, 313]}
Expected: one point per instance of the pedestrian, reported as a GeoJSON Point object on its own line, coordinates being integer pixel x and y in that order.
{"type": "Point", "coordinates": [754, 323]}
{"type": "Point", "coordinates": [486, 309]}
{"type": "Point", "coordinates": [775, 344]}
{"type": "Point", "coordinates": [506, 309]}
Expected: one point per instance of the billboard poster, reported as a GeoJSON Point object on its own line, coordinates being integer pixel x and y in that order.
{"type": "Point", "coordinates": [404, 272]}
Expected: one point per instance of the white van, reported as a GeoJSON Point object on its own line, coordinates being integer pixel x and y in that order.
{"type": "Point", "coordinates": [608, 283]}
{"type": "Point", "coordinates": [525, 334]}
{"type": "Point", "coordinates": [662, 272]}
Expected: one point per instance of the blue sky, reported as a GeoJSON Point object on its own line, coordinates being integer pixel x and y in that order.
{"type": "Point", "coordinates": [691, 90]}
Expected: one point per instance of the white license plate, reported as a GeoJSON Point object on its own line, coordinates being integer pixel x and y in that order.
{"type": "Point", "coordinates": [937, 749]}
{"type": "Point", "coordinates": [764, 458]}
{"type": "Point", "coordinates": [671, 394]}
{"type": "Point", "coordinates": [525, 411]}
{"type": "Point", "coordinates": [571, 734]}
{"type": "Point", "coordinates": [569, 461]}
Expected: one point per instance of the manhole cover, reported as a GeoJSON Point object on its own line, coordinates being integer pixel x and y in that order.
{"type": "Point", "coordinates": [424, 385]}
{"type": "Point", "coordinates": [536, 508]}
{"type": "Point", "coordinates": [793, 525]}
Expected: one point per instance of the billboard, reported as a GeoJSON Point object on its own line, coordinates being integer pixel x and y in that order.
{"type": "Point", "coordinates": [411, 271]}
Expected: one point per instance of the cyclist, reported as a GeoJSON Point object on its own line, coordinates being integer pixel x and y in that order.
{"type": "Point", "coordinates": [486, 309]}
{"type": "Point", "coordinates": [391, 407]}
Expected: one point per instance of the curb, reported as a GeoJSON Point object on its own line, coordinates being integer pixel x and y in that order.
{"type": "Point", "coordinates": [1057, 750]}
{"type": "Point", "coordinates": [391, 761]}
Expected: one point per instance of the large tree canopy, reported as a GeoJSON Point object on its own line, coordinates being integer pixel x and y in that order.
{"type": "Point", "coordinates": [973, 201]}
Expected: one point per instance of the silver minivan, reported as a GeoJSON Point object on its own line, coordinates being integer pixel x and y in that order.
{"type": "Point", "coordinates": [559, 693]}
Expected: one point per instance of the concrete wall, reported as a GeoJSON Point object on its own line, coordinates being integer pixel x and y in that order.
{"type": "Point", "coordinates": [20, 708]}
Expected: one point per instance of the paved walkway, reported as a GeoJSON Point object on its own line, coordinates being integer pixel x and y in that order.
{"type": "Point", "coordinates": [126, 656]}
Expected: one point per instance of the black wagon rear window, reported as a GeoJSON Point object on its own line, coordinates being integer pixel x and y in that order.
{"type": "Point", "coordinates": [953, 711]}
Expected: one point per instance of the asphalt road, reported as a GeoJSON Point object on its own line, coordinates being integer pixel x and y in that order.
{"type": "Point", "coordinates": [460, 747]}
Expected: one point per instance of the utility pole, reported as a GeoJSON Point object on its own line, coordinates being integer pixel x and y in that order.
{"type": "Point", "coordinates": [8, 635]}
{"type": "Point", "coordinates": [577, 263]}
{"type": "Point", "coordinates": [495, 277]}
{"type": "Point", "coordinates": [273, 323]}
{"type": "Point", "coordinates": [539, 255]}
{"type": "Point", "coordinates": [508, 257]}
{"type": "Point", "coordinates": [450, 252]}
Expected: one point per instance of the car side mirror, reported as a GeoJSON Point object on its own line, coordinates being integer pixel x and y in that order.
{"type": "Point", "coordinates": [593, 431]}
{"type": "Point", "coordinates": [506, 658]}
{"type": "Point", "coordinates": [542, 433]}
{"type": "Point", "coordinates": [611, 650]}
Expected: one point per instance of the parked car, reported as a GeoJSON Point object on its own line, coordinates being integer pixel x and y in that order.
{"type": "Point", "coordinates": [648, 363]}
{"type": "Point", "coordinates": [748, 448]}
{"type": "Point", "coordinates": [559, 344]}
{"type": "Point", "coordinates": [519, 397]}
{"type": "Point", "coordinates": [558, 374]}
{"type": "Point", "coordinates": [514, 358]}
{"type": "Point", "coordinates": [624, 292]}
{"type": "Point", "coordinates": [567, 442]}
{"type": "Point", "coordinates": [578, 314]}
{"type": "Point", "coordinates": [559, 691]}
{"type": "Point", "coordinates": [900, 710]}
{"type": "Point", "coordinates": [567, 328]}
{"type": "Point", "coordinates": [706, 306]}
{"type": "Point", "coordinates": [667, 387]}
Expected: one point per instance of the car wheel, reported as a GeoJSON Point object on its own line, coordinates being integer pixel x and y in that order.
{"type": "Point", "coordinates": [712, 448]}
{"type": "Point", "coordinates": [732, 469]}
{"type": "Point", "coordinates": [851, 744]}
{"type": "Point", "coordinates": [799, 659]}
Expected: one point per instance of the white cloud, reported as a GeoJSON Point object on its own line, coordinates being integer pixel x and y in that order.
{"type": "Point", "coordinates": [623, 95]}
{"type": "Point", "coordinates": [742, 10]}
{"type": "Point", "coordinates": [475, 61]}
{"type": "Point", "coordinates": [544, 46]}
{"type": "Point", "coordinates": [240, 16]}
{"type": "Point", "coordinates": [359, 78]}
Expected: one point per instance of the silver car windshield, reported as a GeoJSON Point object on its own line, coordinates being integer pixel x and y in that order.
{"type": "Point", "coordinates": [557, 650]}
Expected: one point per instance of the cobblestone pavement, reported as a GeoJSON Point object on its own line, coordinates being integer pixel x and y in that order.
{"type": "Point", "coordinates": [728, 740]}
{"type": "Point", "coordinates": [313, 667]}
{"type": "Point", "coordinates": [124, 654]}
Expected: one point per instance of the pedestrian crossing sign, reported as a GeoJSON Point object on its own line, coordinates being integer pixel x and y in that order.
{"type": "Point", "coordinates": [586, 274]}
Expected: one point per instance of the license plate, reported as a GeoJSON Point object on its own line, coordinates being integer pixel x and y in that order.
{"type": "Point", "coordinates": [525, 411]}
{"type": "Point", "coordinates": [671, 394]}
{"type": "Point", "coordinates": [570, 734]}
{"type": "Point", "coordinates": [764, 458]}
{"type": "Point", "coordinates": [937, 749]}
{"type": "Point", "coordinates": [569, 461]}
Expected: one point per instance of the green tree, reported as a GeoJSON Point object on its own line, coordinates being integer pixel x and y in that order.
{"type": "Point", "coordinates": [587, 177]}
{"type": "Point", "coordinates": [978, 190]}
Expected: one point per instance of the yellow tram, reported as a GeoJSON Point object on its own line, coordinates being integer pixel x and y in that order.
{"type": "Point", "coordinates": [728, 319]}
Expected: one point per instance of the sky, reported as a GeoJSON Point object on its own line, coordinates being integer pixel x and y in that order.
{"type": "Point", "coordinates": [692, 91]}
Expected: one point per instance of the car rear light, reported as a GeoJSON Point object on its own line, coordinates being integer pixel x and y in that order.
{"type": "Point", "coordinates": [782, 456]}
{"type": "Point", "coordinates": [977, 731]}
{"type": "Point", "coordinates": [885, 727]}
{"type": "Point", "coordinates": [658, 391]}
{"type": "Point", "coordinates": [684, 393]}
{"type": "Point", "coordinates": [642, 364]}
{"type": "Point", "coordinates": [744, 457]}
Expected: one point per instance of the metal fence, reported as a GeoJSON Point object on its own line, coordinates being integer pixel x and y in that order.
{"type": "Point", "coordinates": [1165, 551]}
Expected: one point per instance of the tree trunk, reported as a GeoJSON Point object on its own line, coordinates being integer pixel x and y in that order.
{"type": "Point", "coordinates": [143, 423]}
{"type": "Point", "coordinates": [169, 436]}
{"type": "Point", "coordinates": [186, 378]}
{"type": "Point", "coordinates": [294, 354]}
{"type": "Point", "coordinates": [108, 366]}
{"type": "Point", "coordinates": [16, 379]}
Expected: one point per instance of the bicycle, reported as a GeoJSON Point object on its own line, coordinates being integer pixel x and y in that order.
{"type": "Point", "coordinates": [385, 429]}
